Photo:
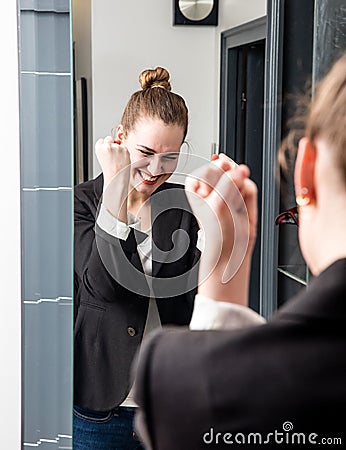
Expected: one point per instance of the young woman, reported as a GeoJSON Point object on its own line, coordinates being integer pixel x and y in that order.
{"type": "Point", "coordinates": [277, 383]}
{"type": "Point", "coordinates": [132, 271]}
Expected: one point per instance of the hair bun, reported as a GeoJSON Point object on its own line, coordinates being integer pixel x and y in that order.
{"type": "Point", "coordinates": [158, 77]}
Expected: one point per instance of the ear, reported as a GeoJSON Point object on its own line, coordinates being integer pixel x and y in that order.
{"type": "Point", "coordinates": [304, 171]}
{"type": "Point", "coordinates": [119, 134]}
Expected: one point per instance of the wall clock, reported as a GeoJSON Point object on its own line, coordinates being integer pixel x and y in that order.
{"type": "Point", "coordinates": [196, 12]}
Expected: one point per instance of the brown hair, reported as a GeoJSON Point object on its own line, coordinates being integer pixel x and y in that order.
{"type": "Point", "coordinates": [325, 117]}
{"type": "Point", "coordinates": [155, 100]}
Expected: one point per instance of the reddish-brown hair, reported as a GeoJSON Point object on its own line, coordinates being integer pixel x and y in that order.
{"type": "Point", "coordinates": [155, 100]}
{"type": "Point", "coordinates": [327, 118]}
{"type": "Point", "coordinates": [324, 117]}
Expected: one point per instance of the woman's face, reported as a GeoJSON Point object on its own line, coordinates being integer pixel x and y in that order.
{"type": "Point", "coordinates": [154, 151]}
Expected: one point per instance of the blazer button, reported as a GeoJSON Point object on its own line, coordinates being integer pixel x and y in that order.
{"type": "Point", "coordinates": [131, 331]}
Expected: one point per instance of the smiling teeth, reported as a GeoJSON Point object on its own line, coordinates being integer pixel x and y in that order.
{"type": "Point", "coordinates": [147, 178]}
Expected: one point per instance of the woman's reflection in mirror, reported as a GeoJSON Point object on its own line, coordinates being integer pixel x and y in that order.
{"type": "Point", "coordinates": [131, 275]}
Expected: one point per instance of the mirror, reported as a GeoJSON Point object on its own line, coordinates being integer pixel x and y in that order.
{"type": "Point", "coordinates": [110, 65]}
{"type": "Point", "coordinates": [47, 110]}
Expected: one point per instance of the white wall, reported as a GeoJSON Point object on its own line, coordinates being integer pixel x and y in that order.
{"type": "Point", "coordinates": [235, 12]}
{"type": "Point", "coordinates": [10, 261]}
{"type": "Point", "coordinates": [130, 36]}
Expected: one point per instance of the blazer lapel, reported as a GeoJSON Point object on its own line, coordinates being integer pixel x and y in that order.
{"type": "Point", "coordinates": [135, 259]}
{"type": "Point", "coordinates": [98, 188]}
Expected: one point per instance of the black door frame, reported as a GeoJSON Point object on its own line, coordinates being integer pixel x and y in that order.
{"type": "Point", "coordinates": [234, 45]}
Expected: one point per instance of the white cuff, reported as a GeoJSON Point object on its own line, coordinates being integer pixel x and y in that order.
{"type": "Point", "coordinates": [111, 225]}
{"type": "Point", "coordinates": [200, 240]}
{"type": "Point", "coordinates": [209, 314]}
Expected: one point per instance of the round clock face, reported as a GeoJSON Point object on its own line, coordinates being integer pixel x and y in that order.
{"type": "Point", "coordinates": [196, 9]}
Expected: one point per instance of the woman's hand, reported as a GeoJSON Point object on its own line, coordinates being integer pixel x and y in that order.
{"type": "Point", "coordinates": [113, 158]}
{"type": "Point", "coordinates": [224, 200]}
{"type": "Point", "coordinates": [115, 163]}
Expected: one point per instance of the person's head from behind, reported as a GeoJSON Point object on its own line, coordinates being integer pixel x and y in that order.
{"type": "Point", "coordinates": [320, 173]}
{"type": "Point", "coordinates": [153, 128]}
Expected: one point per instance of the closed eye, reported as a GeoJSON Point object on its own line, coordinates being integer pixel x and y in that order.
{"type": "Point", "coordinates": [145, 152]}
{"type": "Point", "coordinates": [165, 156]}
{"type": "Point", "coordinates": [170, 157]}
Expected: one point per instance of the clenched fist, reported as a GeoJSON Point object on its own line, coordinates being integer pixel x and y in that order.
{"type": "Point", "coordinates": [224, 200]}
{"type": "Point", "coordinates": [114, 159]}
{"type": "Point", "coordinates": [115, 162]}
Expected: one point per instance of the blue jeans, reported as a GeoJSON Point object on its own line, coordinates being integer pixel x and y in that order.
{"type": "Point", "coordinates": [109, 430]}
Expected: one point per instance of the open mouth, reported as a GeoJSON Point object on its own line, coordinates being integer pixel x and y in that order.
{"type": "Point", "coordinates": [148, 179]}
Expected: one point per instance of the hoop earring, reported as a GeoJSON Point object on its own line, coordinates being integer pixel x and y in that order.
{"type": "Point", "coordinates": [302, 199]}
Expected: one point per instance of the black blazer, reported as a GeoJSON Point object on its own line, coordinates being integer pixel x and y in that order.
{"type": "Point", "coordinates": [292, 369]}
{"type": "Point", "coordinates": [110, 315]}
